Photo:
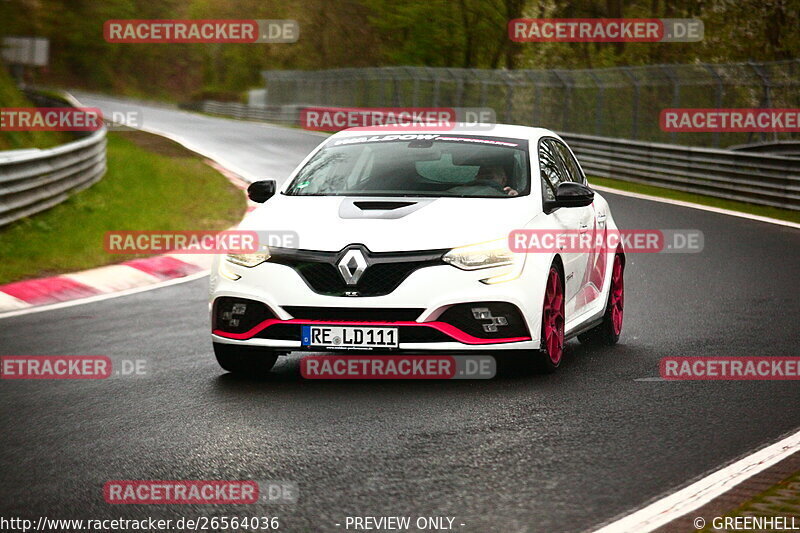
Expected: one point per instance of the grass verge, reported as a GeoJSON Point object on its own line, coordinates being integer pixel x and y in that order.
{"type": "Point", "coordinates": [152, 183]}
{"type": "Point", "coordinates": [11, 97]}
{"type": "Point", "coordinates": [764, 211]}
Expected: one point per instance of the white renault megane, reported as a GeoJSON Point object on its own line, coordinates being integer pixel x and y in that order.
{"type": "Point", "coordinates": [402, 246]}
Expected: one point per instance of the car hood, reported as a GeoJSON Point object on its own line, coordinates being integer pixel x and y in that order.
{"type": "Point", "coordinates": [388, 224]}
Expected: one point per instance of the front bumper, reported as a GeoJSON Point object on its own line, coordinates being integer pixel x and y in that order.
{"type": "Point", "coordinates": [427, 308]}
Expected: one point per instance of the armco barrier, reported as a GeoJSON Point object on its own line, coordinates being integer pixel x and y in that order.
{"type": "Point", "coordinates": [757, 178]}
{"type": "Point", "coordinates": [764, 179]}
{"type": "Point", "coordinates": [288, 114]}
{"type": "Point", "coordinates": [34, 180]}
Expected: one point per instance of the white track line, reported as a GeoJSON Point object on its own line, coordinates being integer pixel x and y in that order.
{"type": "Point", "coordinates": [703, 491]}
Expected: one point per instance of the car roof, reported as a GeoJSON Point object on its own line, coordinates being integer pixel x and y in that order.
{"type": "Point", "coordinates": [486, 130]}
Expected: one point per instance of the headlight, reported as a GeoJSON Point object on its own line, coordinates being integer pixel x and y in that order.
{"type": "Point", "coordinates": [483, 255]}
{"type": "Point", "coordinates": [487, 255]}
{"type": "Point", "coordinates": [248, 260]}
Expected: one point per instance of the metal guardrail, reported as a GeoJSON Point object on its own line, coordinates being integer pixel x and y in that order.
{"type": "Point", "coordinates": [757, 178]}
{"type": "Point", "coordinates": [764, 179]}
{"type": "Point", "coordinates": [284, 114]}
{"type": "Point", "coordinates": [35, 180]}
{"type": "Point", "coordinates": [787, 148]}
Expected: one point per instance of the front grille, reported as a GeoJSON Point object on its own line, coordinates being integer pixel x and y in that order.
{"type": "Point", "coordinates": [385, 271]}
{"type": "Point", "coordinates": [354, 314]}
{"type": "Point", "coordinates": [461, 316]}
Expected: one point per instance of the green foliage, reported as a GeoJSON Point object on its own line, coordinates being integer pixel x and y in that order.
{"type": "Point", "coordinates": [359, 33]}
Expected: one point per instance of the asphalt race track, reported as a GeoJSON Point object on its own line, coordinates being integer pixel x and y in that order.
{"type": "Point", "coordinates": [564, 452]}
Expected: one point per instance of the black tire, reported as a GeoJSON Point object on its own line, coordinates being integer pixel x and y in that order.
{"type": "Point", "coordinates": [540, 363]}
{"type": "Point", "coordinates": [604, 334]}
{"type": "Point", "coordinates": [245, 360]}
{"type": "Point", "coordinates": [600, 335]}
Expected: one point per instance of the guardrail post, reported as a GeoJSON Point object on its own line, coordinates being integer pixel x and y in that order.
{"type": "Point", "coordinates": [598, 112]}
{"type": "Point", "coordinates": [635, 109]}
{"type": "Point", "coordinates": [766, 84]}
{"type": "Point", "coordinates": [459, 87]}
{"type": "Point", "coordinates": [567, 99]}
{"type": "Point", "coordinates": [718, 91]}
{"type": "Point", "coordinates": [396, 90]}
{"type": "Point", "coordinates": [676, 95]}
{"type": "Point", "coordinates": [509, 97]}
{"type": "Point", "coordinates": [436, 84]}
{"type": "Point", "coordinates": [415, 99]}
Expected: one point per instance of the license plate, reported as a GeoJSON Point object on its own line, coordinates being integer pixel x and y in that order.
{"type": "Point", "coordinates": [348, 337]}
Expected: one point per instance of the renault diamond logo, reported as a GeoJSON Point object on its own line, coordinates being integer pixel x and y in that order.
{"type": "Point", "coordinates": [352, 265]}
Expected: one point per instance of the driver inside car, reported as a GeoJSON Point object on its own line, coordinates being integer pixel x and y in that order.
{"type": "Point", "coordinates": [496, 174]}
{"type": "Point", "coordinates": [491, 176]}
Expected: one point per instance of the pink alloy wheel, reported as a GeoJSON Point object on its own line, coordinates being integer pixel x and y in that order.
{"type": "Point", "coordinates": [617, 296]}
{"type": "Point", "coordinates": [553, 317]}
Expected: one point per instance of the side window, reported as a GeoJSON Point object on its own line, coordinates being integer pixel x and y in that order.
{"type": "Point", "coordinates": [569, 162]}
{"type": "Point", "coordinates": [553, 173]}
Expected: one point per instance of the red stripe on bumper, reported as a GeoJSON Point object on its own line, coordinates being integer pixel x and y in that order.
{"type": "Point", "coordinates": [447, 329]}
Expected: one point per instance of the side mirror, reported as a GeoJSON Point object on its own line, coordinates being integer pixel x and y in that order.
{"type": "Point", "coordinates": [261, 191]}
{"type": "Point", "coordinates": [570, 194]}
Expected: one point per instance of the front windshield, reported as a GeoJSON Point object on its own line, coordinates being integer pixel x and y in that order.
{"type": "Point", "coordinates": [431, 165]}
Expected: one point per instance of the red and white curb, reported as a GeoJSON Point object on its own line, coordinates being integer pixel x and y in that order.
{"type": "Point", "coordinates": [102, 280]}
{"type": "Point", "coordinates": [120, 278]}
